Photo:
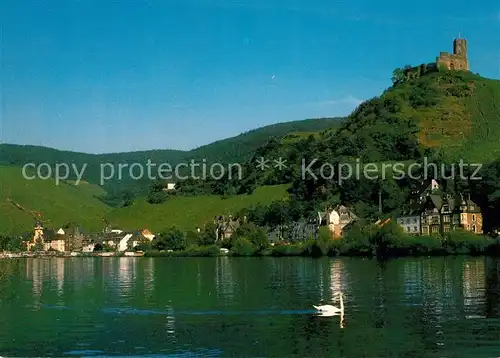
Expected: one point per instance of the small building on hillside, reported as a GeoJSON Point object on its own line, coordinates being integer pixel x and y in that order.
{"type": "Point", "coordinates": [336, 219]}
{"type": "Point", "coordinates": [147, 234]}
{"type": "Point", "coordinates": [302, 230]}
{"type": "Point", "coordinates": [88, 247]}
{"type": "Point", "coordinates": [225, 226]}
{"type": "Point", "coordinates": [410, 221]}
{"type": "Point", "coordinates": [58, 245]}
{"type": "Point", "coordinates": [169, 187]}
{"type": "Point", "coordinates": [73, 235]}
{"type": "Point", "coordinates": [37, 238]}
{"type": "Point", "coordinates": [433, 212]}
{"type": "Point", "coordinates": [138, 237]}
{"type": "Point", "coordinates": [458, 60]}
{"type": "Point", "coordinates": [123, 244]}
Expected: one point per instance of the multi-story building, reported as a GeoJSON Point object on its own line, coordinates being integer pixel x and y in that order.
{"type": "Point", "coordinates": [433, 212]}
{"type": "Point", "coordinates": [337, 219]}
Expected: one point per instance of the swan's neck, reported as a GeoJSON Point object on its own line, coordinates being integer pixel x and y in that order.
{"type": "Point", "coordinates": [341, 303]}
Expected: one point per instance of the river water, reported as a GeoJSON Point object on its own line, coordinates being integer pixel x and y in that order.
{"type": "Point", "coordinates": [250, 307]}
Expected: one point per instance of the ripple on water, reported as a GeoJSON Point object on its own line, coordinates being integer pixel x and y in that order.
{"type": "Point", "coordinates": [173, 353]}
{"type": "Point", "coordinates": [408, 307]}
{"type": "Point", "coordinates": [83, 352]}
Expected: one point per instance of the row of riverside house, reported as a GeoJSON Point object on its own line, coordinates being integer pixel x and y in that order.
{"type": "Point", "coordinates": [428, 211]}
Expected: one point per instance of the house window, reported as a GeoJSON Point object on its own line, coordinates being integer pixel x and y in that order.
{"type": "Point", "coordinates": [414, 220]}
{"type": "Point", "coordinates": [473, 217]}
{"type": "Point", "coordinates": [414, 229]}
{"type": "Point", "coordinates": [434, 229]}
{"type": "Point", "coordinates": [446, 219]}
{"type": "Point", "coordinates": [446, 229]}
{"type": "Point", "coordinates": [474, 228]}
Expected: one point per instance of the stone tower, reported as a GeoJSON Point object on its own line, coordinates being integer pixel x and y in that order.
{"type": "Point", "coordinates": [458, 60]}
{"type": "Point", "coordinates": [460, 48]}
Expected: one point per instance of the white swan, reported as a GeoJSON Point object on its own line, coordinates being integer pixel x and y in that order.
{"type": "Point", "coordinates": [330, 310]}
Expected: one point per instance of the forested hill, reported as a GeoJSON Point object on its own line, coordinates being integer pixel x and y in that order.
{"type": "Point", "coordinates": [445, 116]}
{"type": "Point", "coordinates": [235, 149]}
{"type": "Point", "coordinates": [242, 147]}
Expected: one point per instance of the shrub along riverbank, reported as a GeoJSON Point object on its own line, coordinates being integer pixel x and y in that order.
{"type": "Point", "coordinates": [360, 240]}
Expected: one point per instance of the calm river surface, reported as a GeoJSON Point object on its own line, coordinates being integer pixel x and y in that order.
{"type": "Point", "coordinates": [249, 307]}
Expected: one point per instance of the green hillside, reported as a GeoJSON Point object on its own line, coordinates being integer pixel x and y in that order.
{"type": "Point", "coordinates": [236, 149]}
{"type": "Point", "coordinates": [190, 212]}
{"type": "Point", "coordinates": [23, 201]}
{"type": "Point", "coordinates": [242, 147]}
{"type": "Point", "coordinates": [455, 114]}
{"type": "Point", "coordinates": [444, 116]}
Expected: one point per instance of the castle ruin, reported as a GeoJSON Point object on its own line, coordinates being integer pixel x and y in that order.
{"type": "Point", "coordinates": [456, 61]}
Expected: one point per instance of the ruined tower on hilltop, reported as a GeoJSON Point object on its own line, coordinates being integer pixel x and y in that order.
{"type": "Point", "coordinates": [456, 61]}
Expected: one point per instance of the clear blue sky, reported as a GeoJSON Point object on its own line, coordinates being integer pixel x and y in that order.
{"type": "Point", "coordinates": [106, 76]}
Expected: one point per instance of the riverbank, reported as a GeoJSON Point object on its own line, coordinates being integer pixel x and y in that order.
{"type": "Point", "coordinates": [422, 246]}
{"type": "Point", "coordinates": [49, 254]}
{"type": "Point", "coordinates": [350, 246]}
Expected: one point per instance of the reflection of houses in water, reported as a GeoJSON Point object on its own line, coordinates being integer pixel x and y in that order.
{"type": "Point", "coordinates": [321, 284]}
{"type": "Point", "coordinates": [59, 275]}
{"type": "Point", "coordinates": [88, 265]}
{"type": "Point", "coordinates": [331, 280]}
{"type": "Point", "coordinates": [224, 283]}
{"type": "Point", "coordinates": [441, 293]}
{"type": "Point", "coordinates": [149, 276]}
{"type": "Point", "coordinates": [337, 277]}
{"type": "Point", "coordinates": [36, 269]}
{"type": "Point", "coordinates": [108, 271]}
{"type": "Point", "coordinates": [170, 326]}
{"type": "Point", "coordinates": [473, 282]}
{"type": "Point", "coordinates": [434, 284]}
{"type": "Point", "coordinates": [127, 273]}
{"type": "Point", "coordinates": [412, 278]}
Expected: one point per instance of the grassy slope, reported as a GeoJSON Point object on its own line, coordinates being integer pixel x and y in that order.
{"type": "Point", "coordinates": [463, 127]}
{"type": "Point", "coordinates": [190, 212]}
{"type": "Point", "coordinates": [485, 109]}
{"type": "Point", "coordinates": [65, 203]}
{"type": "Point", "coordinates": [235, 149]}
{"type": "Point", "coordinates": [58, 204]}
{"type": "Point", "coordinates": [91, 189]}
{"type": "Point", "coordinates": [455, 112]}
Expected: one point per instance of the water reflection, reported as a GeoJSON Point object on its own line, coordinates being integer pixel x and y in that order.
{"type": "Point", "coordinates": [224, 281]}
{"type": "Point", "coordinates": [149, 276]}
{"type": "Point", "coordinates": [35, 273]}
{"type": "Point", "coordinates": [127, 269]}
{"type": "Point", "coordinates": [473, 286]}
{"type": "Point", "coordinates": [89, 269]}
{"type": "Point", "coordinates": [412, 278]}
{"type": "Point", "coordinates": [338, 280]}
{"type": "Point", "coordinates": [59, 277]}
{"type": "Point", "coordinates": [170, 326]}
{"type": "Point", "coordinates": [492, 288]}
{"type": "Point", "coordinates": [337, 277]}
{"type": "Point", "coordinates": [380, 298]}
{"type": "Point", "coordinates": [413, 307]}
